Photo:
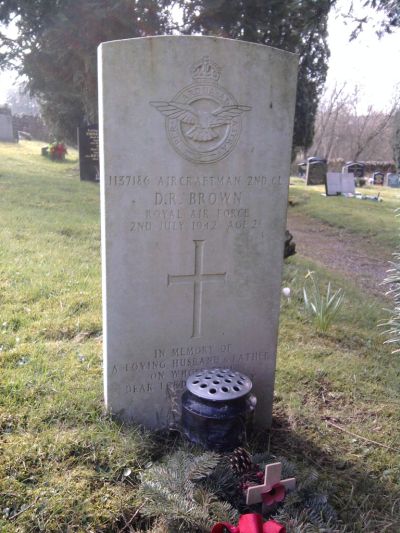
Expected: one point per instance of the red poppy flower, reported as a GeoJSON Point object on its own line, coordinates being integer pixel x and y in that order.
{"type": "Point", "coordinates": [275, 495]}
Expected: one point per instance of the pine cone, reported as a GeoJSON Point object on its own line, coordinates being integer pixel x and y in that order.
{"type": "Point", "coordinates": [240, 461]}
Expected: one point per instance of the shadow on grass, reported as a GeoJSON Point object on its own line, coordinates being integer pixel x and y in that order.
{"type": "Point", "coordinates": [363, 502]}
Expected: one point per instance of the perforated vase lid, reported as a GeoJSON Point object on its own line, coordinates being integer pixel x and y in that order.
{"type": "Point", "coordinates": [219, 384]}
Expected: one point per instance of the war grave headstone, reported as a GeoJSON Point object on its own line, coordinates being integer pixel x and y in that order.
{"type": "Point", "coordinates": [88, 143]}
{"type": "Point", "coordinates": [195, 164]}
{"type": "Point", "coordinates": [6, 125]}
{"type": "Point", "coordinates": [316, 171]}
{"type": "Point", "coordinates": [339, 183]}
{"type": "Point", "coordinates": [378, 178]}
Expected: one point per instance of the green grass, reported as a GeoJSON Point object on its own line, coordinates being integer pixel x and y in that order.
{"type": "Point", "coordinates": [373, 220]}
{"type": "Point", "coordinates": [62, 459]}
{"type": "Point", "coordinates": [348, 378]}
{"type": "Point", "coordinates": [60, 455]}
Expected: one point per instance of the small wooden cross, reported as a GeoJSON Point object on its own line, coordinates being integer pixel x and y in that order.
{"type": "Point", "coordinates": [272, 477]}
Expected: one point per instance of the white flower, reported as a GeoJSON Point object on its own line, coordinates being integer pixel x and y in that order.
{"type": "Point", "coordinates": [286, 292]}
{"type": "Point", "coordinates": [127, 472]}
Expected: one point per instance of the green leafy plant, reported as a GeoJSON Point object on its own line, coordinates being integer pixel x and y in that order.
{"type": "Point", "coordinates": [323, 308]}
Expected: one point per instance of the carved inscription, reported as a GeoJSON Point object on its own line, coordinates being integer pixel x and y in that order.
{"type": "Point", "coordinates": [194, 181]}
{"type": "Point", "coordinates": [88, 141]}
{"type": "Point", "coordinates": [198, 279]}
{"type": "Point", "coordinates": [198, 205]}
{"type": "Point", "coordinates": [203, 121]}
{"type": "Point", "coordinates": [194, 203]}
{"type": "Point", "coordinates": [170, 367]}
{"type": "Point", "coordinates": [93, 136]}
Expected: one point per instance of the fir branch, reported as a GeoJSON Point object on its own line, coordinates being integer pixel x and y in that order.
{"type": "Point", "coordinates": [191, 493]}
{"type": "Point", "coordinates": [202, 465]}
{"type": "Point", "coordinates": [169, 491]}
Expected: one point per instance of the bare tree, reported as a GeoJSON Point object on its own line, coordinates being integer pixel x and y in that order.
{"type": "Point", "coordinates": [330, 110]}
{"type": "Point", "coordinates": [370, 126]}
{"type": "Point", "coordinates": [343, 131]}
{"type": "Point", "coordinates": [396, 139]}
{"type": "Point", "coordinates": [21, 102]}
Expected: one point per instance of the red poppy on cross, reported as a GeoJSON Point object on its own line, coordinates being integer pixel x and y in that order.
{"type": "Point", "coordinates": [273, 484]}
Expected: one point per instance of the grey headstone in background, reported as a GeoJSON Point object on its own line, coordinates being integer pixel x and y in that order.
{"type": "Point", "coordinates": [195, 142]}
{"type": "Point", "coordinates": [6, 126]}
{"type": "Point", "coordinates": [316, 171]}
{"type": "Point", "coordinates": [393, 180]}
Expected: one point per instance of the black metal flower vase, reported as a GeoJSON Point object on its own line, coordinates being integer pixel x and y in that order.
{"type": "Point", "coordinates": [217, 409]}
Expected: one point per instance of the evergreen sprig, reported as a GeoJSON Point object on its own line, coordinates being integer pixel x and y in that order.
{"type": "Point", "coordinates": [191, 493]}
{"type": "Point", "coordinates": [169, 490]}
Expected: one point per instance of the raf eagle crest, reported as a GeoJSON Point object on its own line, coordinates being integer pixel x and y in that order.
{"type": "Point", "coordinates": [203, 121]}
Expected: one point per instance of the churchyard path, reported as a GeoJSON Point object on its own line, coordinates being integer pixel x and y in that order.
{"type": "Point", "coordinates": [350, 254]}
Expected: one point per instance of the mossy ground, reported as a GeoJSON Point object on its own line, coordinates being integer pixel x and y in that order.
{"type": "Point", "coordinates": [62, 460]}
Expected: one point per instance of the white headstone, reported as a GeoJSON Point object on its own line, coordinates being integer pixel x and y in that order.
{"type": "Point", "coordinates": [333, 183]}
{"type": "Point", "coordinates": [195, 140]}
{"type": "Point", "coordinates": [348, 185]}
{"type": "Point", "coordinates": [6, 126]}
{"type": "Point", "coordinates": [339, 182]}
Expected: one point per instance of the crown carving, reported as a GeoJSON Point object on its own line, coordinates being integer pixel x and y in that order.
{"type": "Point", "coordinates": [205, 69]}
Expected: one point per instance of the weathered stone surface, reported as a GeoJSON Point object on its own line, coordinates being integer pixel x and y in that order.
{"type": "Point", "coordinates": [195, 138]}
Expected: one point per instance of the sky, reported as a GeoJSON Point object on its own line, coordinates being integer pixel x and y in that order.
{"type": "Point", "coordinates": [368, 62]}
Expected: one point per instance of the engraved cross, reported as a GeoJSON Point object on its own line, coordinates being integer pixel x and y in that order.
{"type": "Point", "coordinates": [198, 279]}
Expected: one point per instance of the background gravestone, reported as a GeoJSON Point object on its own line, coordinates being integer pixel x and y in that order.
{"type": "Point", "coordinates": [378, 178]}
{"type": "Point", "coordinates": [393, 180]}
{"type": "Point", "coordinates": [301, 169]}
{"type": "Point", "coordinates": [6, 125]}
{"type": "Point", "coordinates": [316, 171]}
{"type": "Point", "coordinates": [333, 184]}
{"type": "Point", "coordinates": [338, 183]}
{"type": "Point", "coordinates": [195, 161]}
{"type": "Point", "coordinates": [88, 143]}
{"type": "Point", "coordinates": [357, 168]}
{"type": "Point", "coordinates": [348, 184]}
